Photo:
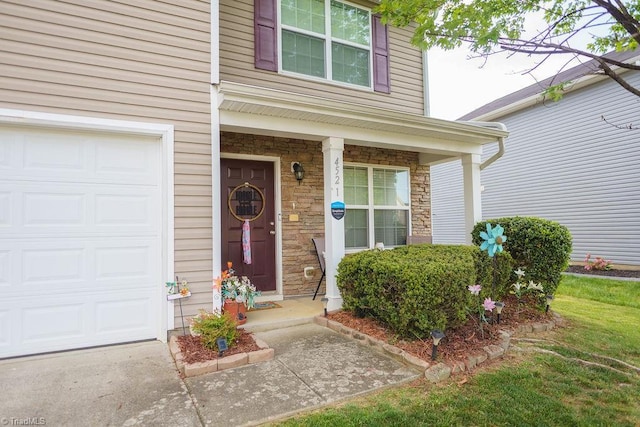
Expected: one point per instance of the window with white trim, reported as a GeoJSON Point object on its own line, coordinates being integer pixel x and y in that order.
{"type": "Point", "coordinates": [327, 39]}
{"type": "Point", "coordinates": [378, 206]}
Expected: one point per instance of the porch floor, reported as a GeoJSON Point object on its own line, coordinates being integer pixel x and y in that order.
{"type": "Point", "coordinates": [292, 312]}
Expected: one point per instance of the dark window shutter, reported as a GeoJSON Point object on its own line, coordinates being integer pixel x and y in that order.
{"type": "Point", "coordinates": [265, 35]}
{"type": "Point", "coordinates": [380, 56]}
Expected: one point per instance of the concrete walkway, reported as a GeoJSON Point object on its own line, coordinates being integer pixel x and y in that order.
{"type": "Point", "coordinates": [138, 384]}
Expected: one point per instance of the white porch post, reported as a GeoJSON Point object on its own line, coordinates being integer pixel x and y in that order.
{"type": "Point", "coordinates": [472, 193]}
{"type": "Point", "coordinates": [332, 149]}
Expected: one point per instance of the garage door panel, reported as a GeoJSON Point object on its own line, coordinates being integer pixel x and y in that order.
{"type": "Point", "coordinates": [125, 209]}
{"type": "Point", "coordinates": [116, 316]}
{"type": "Point", "coordinates": [124, 161]}
{"type": "Point", "coordinates": [53, 154]}
{"type": "Point", "coordinates": [62, 321]}
{"type": "Point", "coordinates": [131, 264]}
{"type": "Point", "coordinates": [46, 267]}
{"type": "Point", "coordinates": [5, 209]}
{"type": "Point", "coordinates": [54, 209]}
{"type": "Point", "coordinates": [6, 270]}
{"type": "Point", "coordinates": [5, 330]}
{"type": "Point", "coordinates": [64, 156]}
{"type": "Point", "coordinates": [41, 209]}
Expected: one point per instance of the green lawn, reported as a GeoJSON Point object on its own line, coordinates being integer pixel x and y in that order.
{"type": "Point", "coordinates": [581, 384]}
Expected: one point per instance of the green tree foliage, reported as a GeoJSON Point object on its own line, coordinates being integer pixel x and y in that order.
{"type": "Point", "coordinates": [489, 26]}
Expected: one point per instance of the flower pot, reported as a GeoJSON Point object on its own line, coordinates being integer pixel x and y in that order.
{"type": "Point", "coordinates": [237, 310]}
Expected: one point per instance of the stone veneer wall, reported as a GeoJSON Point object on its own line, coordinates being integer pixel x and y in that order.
{"type": "Point", "coordinates": [298, 250]}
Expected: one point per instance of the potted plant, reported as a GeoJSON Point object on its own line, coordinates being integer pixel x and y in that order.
{"type": "Point", "coordinates": [238, 294]}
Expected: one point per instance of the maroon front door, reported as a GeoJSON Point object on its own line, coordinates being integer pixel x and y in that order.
{"type": "Point", "coordinates": [247, 194]}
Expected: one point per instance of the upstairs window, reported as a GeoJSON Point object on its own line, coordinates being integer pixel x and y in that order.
{"type": "Point", "coordinates": [378, 205]}
{"type": "Point", "coordinates": [326, 39]}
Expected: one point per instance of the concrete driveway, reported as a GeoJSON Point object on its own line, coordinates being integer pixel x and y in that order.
{"type": "Point", "coordinates": [121, 385]}
{"type": "Point", "coordinates": [138, 384]}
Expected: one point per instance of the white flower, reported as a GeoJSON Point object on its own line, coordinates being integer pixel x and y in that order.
{"type": "Point", "coordinates": [517, 286]}
{"type": "Point", "coordinates": [536, 286]}
{"type": "Point", "coordinates": [519, 272]}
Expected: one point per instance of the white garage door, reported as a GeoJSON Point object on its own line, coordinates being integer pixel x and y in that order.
{"type": "Point", "coordinates": [80, 239]}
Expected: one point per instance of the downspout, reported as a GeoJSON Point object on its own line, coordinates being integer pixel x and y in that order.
{"type": "Point", "coordinates": [425, 84]}
{"type": "Point", "coordinates": [500, 153]}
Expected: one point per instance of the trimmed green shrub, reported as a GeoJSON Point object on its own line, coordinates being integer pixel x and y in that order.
{"type": "Point", "coordinates": [540, 246]}
{"type": "Point", "coordinates": [494, 274]}
{"type": "Point", "coordinates": [212, 326]}
{"type": "Point", "coordinates": [413, 289]}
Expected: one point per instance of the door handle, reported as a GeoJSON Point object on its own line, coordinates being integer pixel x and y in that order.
{"type": "Point", "coordinates": [272, 232]}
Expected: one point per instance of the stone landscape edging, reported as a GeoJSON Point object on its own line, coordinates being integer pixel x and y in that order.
{"type": "Point", "coordinates": [436, 372]}
{"type": "Point", "coordinates": [233, 361]}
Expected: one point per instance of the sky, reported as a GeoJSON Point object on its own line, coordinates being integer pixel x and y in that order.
{"type": "Point", "coordinates": [458, 85]}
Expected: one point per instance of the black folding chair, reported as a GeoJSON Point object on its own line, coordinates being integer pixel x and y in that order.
{"type": "Point", "coordinates": [319, 245]}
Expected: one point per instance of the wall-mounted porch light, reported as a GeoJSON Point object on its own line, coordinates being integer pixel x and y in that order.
{"type": "Point", "coordinates": [298, 171]}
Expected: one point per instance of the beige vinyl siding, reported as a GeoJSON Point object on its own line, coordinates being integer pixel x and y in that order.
{"type": "Point", "coordinates": [237, 65]}
{"type": "Point", "coordinates": [140, 60]}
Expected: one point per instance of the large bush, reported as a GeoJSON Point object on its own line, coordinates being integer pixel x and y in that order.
{"type": "Point", "coordinates": [413, 289]}
{"type": "Point", "coordinates": [541, 246]}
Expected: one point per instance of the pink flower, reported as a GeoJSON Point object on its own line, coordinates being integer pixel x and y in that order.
{"type": "Point", "coordinates": [488, 304]}
{"type": "Point", "coordinates": [475, 289]}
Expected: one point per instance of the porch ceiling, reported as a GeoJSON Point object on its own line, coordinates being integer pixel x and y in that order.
{"type": "Point", "coordinates": [250, 109]}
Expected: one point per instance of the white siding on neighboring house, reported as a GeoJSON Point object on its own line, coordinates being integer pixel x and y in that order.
{"type": "Point", "coordinates": [447, 201]}
{"type": "Point", "coordinates": [563, 163]}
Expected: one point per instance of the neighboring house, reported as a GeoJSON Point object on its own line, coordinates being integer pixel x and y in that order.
{"type": "Point", "coordinates": [563, 162]}
{"type": "Point", "coordinates": [125, 126]}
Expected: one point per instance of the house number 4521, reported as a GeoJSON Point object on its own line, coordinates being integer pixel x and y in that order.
{"type": "Point", "coordinates": [336, 177]}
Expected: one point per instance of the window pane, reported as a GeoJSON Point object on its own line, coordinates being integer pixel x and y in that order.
{"type": "Point", "coordinates": [355, 228]}
{"type": "Point", "coordinates": [349, 23]}
{"type": "Point", "coordinates": [391, 227]}
{"type": "Point", "coordinates": [356, 190]}
{"type": "Point", "coordinates": [350, 64]}
{"type": "Point", "coordinates": [305, 14]}
{"type": "Point", "coordinates": [390, 187]}
{"type": "Point", "coordinates": [302, 54]}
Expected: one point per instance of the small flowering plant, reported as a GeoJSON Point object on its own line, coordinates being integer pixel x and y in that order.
{"type": "Point", "coordinates": [238, 289]}
{"type": "Point", "coordinates": [481, 306]}
{"type": "Point", "coordinates": [520, 288]}
{"type": "Point", "coordinates": [598, 264]}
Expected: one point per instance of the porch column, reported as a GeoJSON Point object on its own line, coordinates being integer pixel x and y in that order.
{"type": "Point", "coordinates": [472, 193]}
{"type": "Point", "coordinates": [332, 149]}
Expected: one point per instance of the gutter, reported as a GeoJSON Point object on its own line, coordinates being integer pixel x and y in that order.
{"type": "Point", "coordinates": [500, 153]}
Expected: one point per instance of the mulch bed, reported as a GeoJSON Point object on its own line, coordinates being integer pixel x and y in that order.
{"type": "Point", "coordinates": [193, 350]}
{"type": "Point", "coordinates": [458, 343]}
{"type": "Point", "coordinates": [579, 269]}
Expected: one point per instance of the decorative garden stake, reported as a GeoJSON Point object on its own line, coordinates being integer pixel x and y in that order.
{"type": "Point", "coordinates": [499, 307]}
{"type": "Point", "coordinates": [493, 239]}
{"type": "Point", "coordinates": [437, 335]}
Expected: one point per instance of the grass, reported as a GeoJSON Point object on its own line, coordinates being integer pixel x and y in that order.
{"type": "Point", "coordinates": [608, 291]}
{"type": "Point", "coordinates": [530, 389]}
